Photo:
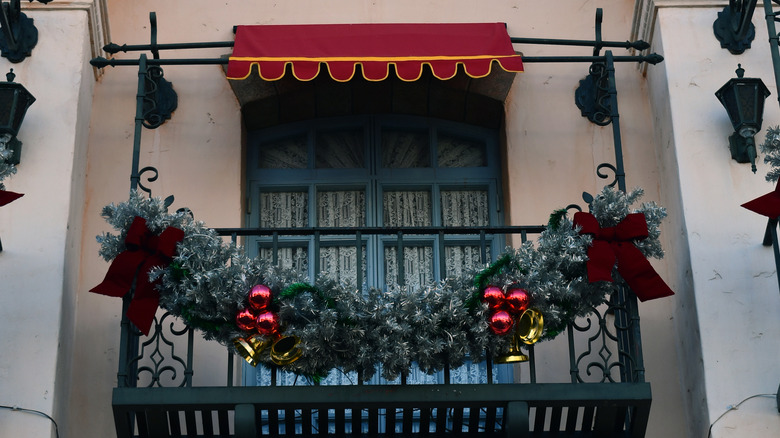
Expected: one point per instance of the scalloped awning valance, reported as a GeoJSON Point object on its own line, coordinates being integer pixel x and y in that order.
{"type": "Point", "coordinates": [478, 47]}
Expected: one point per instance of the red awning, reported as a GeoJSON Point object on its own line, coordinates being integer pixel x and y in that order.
{"type": "Point", "coordinates": [374, 47]}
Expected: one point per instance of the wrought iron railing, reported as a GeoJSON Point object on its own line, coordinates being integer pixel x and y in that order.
{"type": "Point", "coordinates": [603, 347]}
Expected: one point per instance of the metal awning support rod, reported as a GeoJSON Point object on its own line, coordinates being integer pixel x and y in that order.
{"type": "Point", "coordinates": [116, 48]}
{"type": "Point", "coordinates": [101, 62]}
{"type": "Point", "coordinates": [638, 45]}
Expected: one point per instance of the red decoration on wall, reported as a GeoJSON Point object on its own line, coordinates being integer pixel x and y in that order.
{"type": "Point", "coordinates": [614, 244]}
{"type": "Point", "coordinates": [144, 252]}
{"type": "Point", "coordinates": [766, 205]}
{"type": "Point", "coordinates": [8, 197]}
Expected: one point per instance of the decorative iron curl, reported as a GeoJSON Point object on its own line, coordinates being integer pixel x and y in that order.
{"type": "Point", "coordinates": [160, 99]}
{"type": "Point", "coordinates": [150, 179]}
{"type": "Point", "coordinates": [161, 363]}
{"type": "Point", "coordinates": [587, 197]}
{"type": "Point", "coordinates": [592, 96]}
{"type": "Point", "coordinates": [605, 176]}
{"type": "Point", "coordinates": [598, 344]}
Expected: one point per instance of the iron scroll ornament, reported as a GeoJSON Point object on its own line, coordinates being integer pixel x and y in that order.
{"type": "Point", "coordinates": [733, 27]}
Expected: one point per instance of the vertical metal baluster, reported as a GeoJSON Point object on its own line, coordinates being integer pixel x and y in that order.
{"type": "Point", "coordinates": [359, 260]}
{"type": "Point", "coordinates": [573, 370]}
{"type": "Point", "coordinates": [400, 258]}
{"type": "Point", "coordinates": [482, 247]}
{"type": "Point", "coordinates": [234, 239]}
{"type": "Point", "coordinates": [316, 254]}
{"type": "Point", "coordinates": [532, 363]}
{"type": "Point", "coordinates": [189, 371]}
{"type": "Point", "coordinates": [128, 339]}
{"type": "Point", "coordinates": [275, 247]}
{"type": "Point", "coordinates": [442, 257]}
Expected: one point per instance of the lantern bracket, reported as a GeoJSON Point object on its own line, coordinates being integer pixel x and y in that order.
{"type": "Point", "coordinates": [733, 27]}
{"type": "Point", "coordinates": [19, 35]}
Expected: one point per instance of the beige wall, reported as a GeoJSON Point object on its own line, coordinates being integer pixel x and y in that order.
{"type": "Point", "coordinates": [552, 154]}
{"type": "Point", "coordinates": [41, 232]}
{"type": "Point", "coordinates": [731, 287]}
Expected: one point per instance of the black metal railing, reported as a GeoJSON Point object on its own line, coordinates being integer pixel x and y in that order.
{"type": "Point", "coordinates": [603, 347]}
{"type": "Point", "coordinates": [606, 394]}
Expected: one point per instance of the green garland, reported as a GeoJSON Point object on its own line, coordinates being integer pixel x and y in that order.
{"type": "Point", "coordinates": [340, 326]}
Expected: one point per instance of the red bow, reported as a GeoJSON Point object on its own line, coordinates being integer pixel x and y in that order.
{"type": "Point", "coordinates": [613, 244]}
{"type": "Point", "coordinates": [767, 205]}
{"type": "Point", "coordinates": [8, 197]}
{"type": "Point", "coordinates": [144, 252]}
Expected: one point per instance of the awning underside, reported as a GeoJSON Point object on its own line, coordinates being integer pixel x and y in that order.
{"type": "Point", "coordinates": [374, 47]}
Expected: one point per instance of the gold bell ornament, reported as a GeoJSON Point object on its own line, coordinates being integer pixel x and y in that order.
{"type": "Point", "coordinates": [528, 330]}
{"type": "Point", "coordinates": [251, 348]}
{"type": "Point", "coordinates": [285, 350]}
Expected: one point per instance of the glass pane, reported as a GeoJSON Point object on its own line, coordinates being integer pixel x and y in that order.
{"type": "Point", "coordinates": [296, 258]}
{"type": "Point", "coordinates": [284, 209]}
{"type": "Point", "coordinates": [418, 266]}
{"type": "Point", "coordinates": [405, 149]}
{"type": "Point", "coordinates": [407, 208]}
{"type": "Point", "coordinates": [342, 208]}
{"type": "Point", "coordinates": [340, 149]}
{"type": "Point", "coordinates": [340, 263]}
{"type": "Point", "coordinates": [286, 153]}
{"type": "Point", "coordinates": [465, 208]}
{"type": "Point", "coordinates": [462, 260]}
{"type": "Point", "coordinates": [461, 152]}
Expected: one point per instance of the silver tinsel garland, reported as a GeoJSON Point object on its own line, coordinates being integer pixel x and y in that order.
{"type": "Point", "coordinates": [771, 149]}
{"type": "Point", "coordinates": [6, 168]}
{"type": "Point", "coordinates": [343, 327]}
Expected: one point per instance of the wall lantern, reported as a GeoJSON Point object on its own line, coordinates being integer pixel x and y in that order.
{"type": "Point", "coordinates": [743, 99]}
{"type": "Point", "coordinates": [14, 101]}
{"type": "Point", "coordinates": [19, 35]}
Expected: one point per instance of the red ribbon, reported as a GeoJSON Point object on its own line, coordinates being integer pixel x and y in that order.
{"type": "Point", "coordinates": [8, 197]}
{"type": "Point", "coordinates": [613, 244]}
{"type": "Point", "coordinates": [144, 252]}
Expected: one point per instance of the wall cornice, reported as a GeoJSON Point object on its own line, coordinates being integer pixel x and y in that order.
{"type": "Point", "coordinates": [97, 13]}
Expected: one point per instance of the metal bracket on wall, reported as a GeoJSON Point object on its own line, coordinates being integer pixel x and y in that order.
{"type": "Point", "coordinates": [159, 98]}
{"type": "Point", "coordinates": [733, 27]}
{"type": "Point", "coordinates": [19, 35]}
{"type": "Point", "coordinates": [592, 95]}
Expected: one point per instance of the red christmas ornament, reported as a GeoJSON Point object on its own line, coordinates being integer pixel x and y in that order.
{"type": "Point", "coordinates": [267, 323]}
{"type": "Point", "coordinates": [259, 297]}
{"type": "Point", "coordinates": [501, 322]}
{"type": "Point", "coordinates": [494, 297]}
{"type": "Point", "coordinates": [246, 319]}
{"type": "Point", "coordinates": [517, 300]}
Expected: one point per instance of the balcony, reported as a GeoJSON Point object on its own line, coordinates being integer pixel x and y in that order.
{"type": "Point", "coordinates": [604, 394]}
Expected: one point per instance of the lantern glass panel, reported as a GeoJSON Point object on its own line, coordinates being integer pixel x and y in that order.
{"type": "Point", "coordinates": [14, 101]}
{"type": "Point", "coordinates": [7, 98]}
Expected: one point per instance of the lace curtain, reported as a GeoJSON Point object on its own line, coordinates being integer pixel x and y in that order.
{"type": "Point", "coordinates": [347, 208]}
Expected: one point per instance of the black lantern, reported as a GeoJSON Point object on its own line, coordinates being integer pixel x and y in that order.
{"type": "Point", "coordinates": [14, 101]}
{"type": "Point", "coordinates": [743, 99]}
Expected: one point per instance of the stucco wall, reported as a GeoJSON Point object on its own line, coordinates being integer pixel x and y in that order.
{"type": "Point", "coordinates": [731, 288]}
{"type": "Point", "coordinates": [551, 151]}
{"type": "Point", "coordinates": [41, 231]}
